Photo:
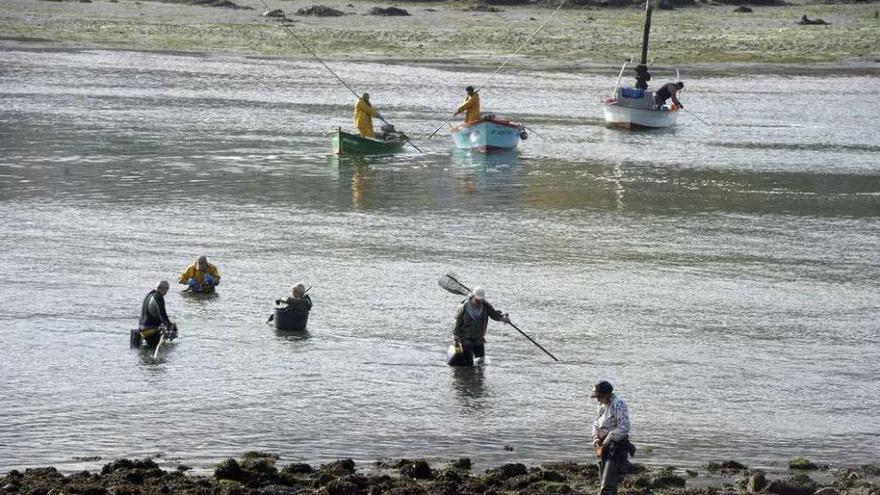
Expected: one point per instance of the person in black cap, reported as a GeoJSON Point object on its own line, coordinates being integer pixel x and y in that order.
{"type": "Point", "coordinates": [611, 437]}
{"type": "Point", "coordinates": [667, 91]}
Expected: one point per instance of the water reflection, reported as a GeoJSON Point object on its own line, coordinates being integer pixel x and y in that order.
{"type": "Point", "coordinates": [469, 386]}
{"type": "Point", "coordinates": [293, 335]}
{"type": "Point", "coordinates": [155, 365]}
{"type": "Point", "coordinates": [471, 159]}
{"type": "Point", "coordinates": [199, 297]}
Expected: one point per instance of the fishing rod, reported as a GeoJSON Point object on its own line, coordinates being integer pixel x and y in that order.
{"type": "Point", "coordinates": [316, 57]}
{"type": "Point", "coordinates": [515, 52]}
{"type": "Point", "coordinates": [696, 116]}
{"type": "Point", "coordinates": [533, 131]}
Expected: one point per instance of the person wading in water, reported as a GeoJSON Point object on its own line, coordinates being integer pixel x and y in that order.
{"type": "Point", "coordinates": [153, 317]}
{"type": "Point", "coordinates": [471, 322]}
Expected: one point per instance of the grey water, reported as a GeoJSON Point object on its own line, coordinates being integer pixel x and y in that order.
{"type": "Point", "coordinates": [724, 276]}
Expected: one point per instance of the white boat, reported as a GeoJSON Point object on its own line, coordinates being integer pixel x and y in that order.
{"type": "Point", "coordinates": [633, 107]}
{"type": "Point", "coordinates": [488, 134]}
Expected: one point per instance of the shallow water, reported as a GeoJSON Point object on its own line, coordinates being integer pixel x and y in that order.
{"type": "Point", "coordinates": [723, 277]}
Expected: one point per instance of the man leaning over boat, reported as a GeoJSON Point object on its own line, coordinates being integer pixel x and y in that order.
{"type": "Point", "coordinates": [667, 91]}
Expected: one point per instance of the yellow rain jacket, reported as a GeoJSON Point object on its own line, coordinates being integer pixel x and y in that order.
{"type": "Point", "coordinates": [363, 118]}
{"type": "Point", "coordinates": [193, 272]}
{"type": "Point", "coordinates": [471, 107]}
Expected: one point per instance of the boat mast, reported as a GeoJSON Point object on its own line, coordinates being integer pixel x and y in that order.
{"type": "Point", "coordinates": [642, 75]}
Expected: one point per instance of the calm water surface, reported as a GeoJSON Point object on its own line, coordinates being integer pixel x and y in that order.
{"type": "Point", "coordinates": [723, 277]}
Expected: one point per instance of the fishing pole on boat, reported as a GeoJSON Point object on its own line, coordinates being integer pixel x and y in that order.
{"type": "Point", "coordinates": [449, 282]}
{"type": "Point", "coordinates": [515, 52]}
{"type": "Point", "coordinates": [532, 131]}
{"type": "Point", "coordinates": [316, 57]}
{"type": "Point", "coordinates": [692, 114]}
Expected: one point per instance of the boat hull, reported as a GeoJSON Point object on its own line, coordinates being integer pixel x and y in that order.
{"type": "Point", "coordinates": [487, 135]}
{"type": "Point", "coordinates": [352, 144]}
{"type": "Point", "coordinates": [622, 117]}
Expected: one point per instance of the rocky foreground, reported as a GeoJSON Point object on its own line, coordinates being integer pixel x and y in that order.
{"type": "Point", "coordinates": [258, 473]}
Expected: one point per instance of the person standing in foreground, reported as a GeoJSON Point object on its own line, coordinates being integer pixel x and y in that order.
{"type": "Point", "coordinates": [153, 316]}
{"type": "Point", "coordinates": [200, 276]}
{"type": "Point", "coordinates": [471, 322]}
{"type": "Point", "coordinates": [470, 107]}
{"type": "Point", "coordinates": [611, 437]}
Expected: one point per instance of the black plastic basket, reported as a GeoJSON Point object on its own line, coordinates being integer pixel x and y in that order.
{"type": "Point", "coordinates": [291, 320]}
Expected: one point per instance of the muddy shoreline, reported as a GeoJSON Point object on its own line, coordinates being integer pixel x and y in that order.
{"type": "Point", "coordinates": [257, 472]}
{"type": "Point", "coordinates": [711, 36]}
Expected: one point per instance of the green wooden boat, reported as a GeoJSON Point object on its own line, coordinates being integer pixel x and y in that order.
{"type": "Point", "coordinates": [353, 144]}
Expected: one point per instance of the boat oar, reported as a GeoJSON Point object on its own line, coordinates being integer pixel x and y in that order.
{"type": "Point", "coordinates": [449, 282]}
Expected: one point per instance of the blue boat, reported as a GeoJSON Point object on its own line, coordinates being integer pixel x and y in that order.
{"type": "Point", "coordinates": [488, 134]}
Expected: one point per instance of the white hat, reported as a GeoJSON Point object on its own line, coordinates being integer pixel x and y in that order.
{"type": "Point", "coordinates": [479, 294]}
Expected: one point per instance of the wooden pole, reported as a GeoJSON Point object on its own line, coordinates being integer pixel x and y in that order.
{"type": "Point", "coordinates": [647, 31]}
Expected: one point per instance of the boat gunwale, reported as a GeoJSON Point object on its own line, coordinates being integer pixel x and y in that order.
{"type": "Point", "coordinates": [380, 147]}
{"type": "Point", "coordinates": [504, 123]}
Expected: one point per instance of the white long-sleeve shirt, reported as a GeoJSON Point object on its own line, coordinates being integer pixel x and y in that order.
{"type": "Point", "coordinates": [611, 423]}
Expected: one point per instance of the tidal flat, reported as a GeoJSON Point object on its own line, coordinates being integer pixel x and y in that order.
{"type": "Point", "coordinates": [436, 31]}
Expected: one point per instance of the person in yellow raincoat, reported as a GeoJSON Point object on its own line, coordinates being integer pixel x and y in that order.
{"type": "Point", "coordinates": [471, 106]}
{"type": "Point", "coordinates": [363, 116]}
{"type": "Point", "coordinates": [200, 276]}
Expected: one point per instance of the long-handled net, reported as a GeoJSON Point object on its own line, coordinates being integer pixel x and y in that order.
{"type": "Point", "coordinates": [450, 283]}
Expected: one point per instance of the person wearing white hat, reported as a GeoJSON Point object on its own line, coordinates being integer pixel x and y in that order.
{"type": "Point", "coordinates": [471, 323]}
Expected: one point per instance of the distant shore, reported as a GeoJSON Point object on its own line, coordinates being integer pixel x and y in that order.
{"type": "Point", "coordinates": [257, 472]}
{"type": "Point", "coordinates": [453, 32]}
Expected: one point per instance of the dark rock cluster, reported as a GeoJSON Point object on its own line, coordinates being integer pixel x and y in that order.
{"type": "Point", "coordinates": [388, 12]}
{"type": "Point", "coordinates": [320, 11]}
{"type": "Point", "coordinates": [258, 473]}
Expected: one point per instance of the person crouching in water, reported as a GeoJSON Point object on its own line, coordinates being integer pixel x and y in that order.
{"type": "Point", "coordinates": [611, 437]}
{"type": "Point", "coordinates": [298, 300]}
{"type": "Point", "coordinates": [200, 276]}
{"type": "Point", "coordinates": [153, 318]}
{"type": "Point", "coordinates": [471, 322]}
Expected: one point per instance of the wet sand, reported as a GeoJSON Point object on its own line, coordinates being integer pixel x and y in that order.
{"type": "Point", "coordinates": [574, 37]}
{"type": "Point", "coordinates": [257, 472]}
